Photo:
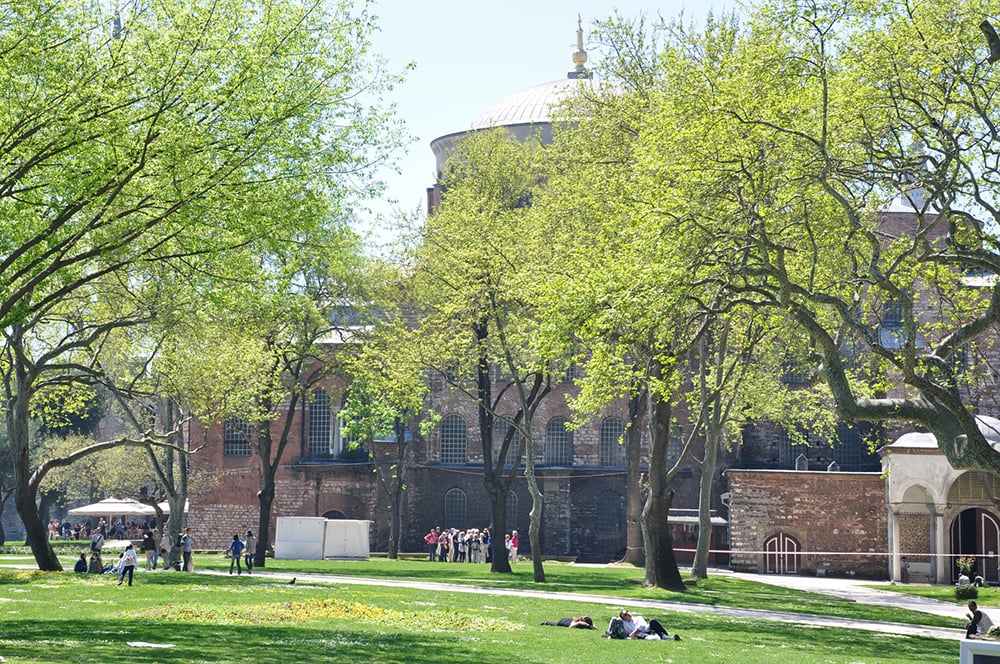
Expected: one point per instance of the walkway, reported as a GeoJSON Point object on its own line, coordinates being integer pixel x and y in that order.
{"type": "Point", "coordinates": [844, 589]}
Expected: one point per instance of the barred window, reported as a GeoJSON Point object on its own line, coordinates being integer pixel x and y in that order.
{"type": "Point", "coordinates": [558, 443]}
{"type": "Point", "coordinates": [236, 438]}
{"type": "Point", "coordinates": [850, 450]}
{"type": "Point", "coordinates": [454, 437]}
{"type": "Point", "coordinates": [786, 451]}
{"type": "Point", "coordinates": [675, 445]}
{"type": "Point", "coordinates": [319, 423]}
{"type": "Point", "coordinates": [612, 446]}
{"type": "Point", "coordinates": [609, 512]}
{"type": "Point", "coordinates": [455, 506]}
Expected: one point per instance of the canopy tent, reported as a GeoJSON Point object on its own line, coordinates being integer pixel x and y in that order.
{"type": "Point", "coordinates": [120, 507]}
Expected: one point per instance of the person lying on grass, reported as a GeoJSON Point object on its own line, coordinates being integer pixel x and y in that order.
{"type": "Point", "coordinates": [583, 622]}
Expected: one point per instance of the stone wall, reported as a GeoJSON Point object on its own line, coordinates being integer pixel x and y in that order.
{"type": "Point", "coordinates": [838, 519]}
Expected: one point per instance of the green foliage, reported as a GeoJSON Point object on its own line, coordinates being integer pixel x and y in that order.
{"type": "Point", "coordinates": [966, 591]}
{"type": "Point", "coordinates": [966, 565]}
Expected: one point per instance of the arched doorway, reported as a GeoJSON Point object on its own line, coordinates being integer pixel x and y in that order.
{"type": "Point", "coordinates": [781, 554]}
{"type": "Point", "coordinates": [334, 514]}
{"type": "Point", "coordinates": [976, 532]}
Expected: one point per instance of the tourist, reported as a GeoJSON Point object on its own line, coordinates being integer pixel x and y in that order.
{"type": "Point", "coordinates": [432, 543]}
{"type": "Point", "coordinates": [236, 555]}
{"type": "Point", "coordinates": [978, 622]}
{"type": "Point", "coordinates": [148, 546]}
{"type": "Point", "coordinates": [249, 551]}
{"type": "Point", "coordinates": [583, 622]}
{"type": "Point", "coordinates": [81, 564]}
{"type": "Point", "coordinates": [128, 563]}
{"type": "Point", "coordinates": [97, 545]}
{"type": "Point", "coordinates": [187, 549]}
{"type": "Point", "coordinates": [514, 542]}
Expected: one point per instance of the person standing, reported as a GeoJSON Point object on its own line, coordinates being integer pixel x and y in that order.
{"type": "Point", "coordinates": [97, 544]}
{"type": "Point", "coordinates": [187, 548]}
{"type": "Point", "coordinates": [514, 541]}
{"type": "Point", "coordinates": [236, 555]}
{"type": "Point", "coordinates": [432, 544]}
{"type": "Point", "coordinates": [249, 551]}
{"type": "Point", "coordinates": [155, 534]}
{"type": "Point", "coordinates": [148, 547]}
{"type": "Point", "coordinates": [127, 566]}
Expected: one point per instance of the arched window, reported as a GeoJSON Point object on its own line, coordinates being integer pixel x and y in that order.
{"type": "Point", "coordinates": [612, 445]}
{"type": "Point", "coordinates": [319, 424]}
{"type": "Point", "coordinates": [500, 429]}
{"type": "Point", "coordinates": [455, 509]}
{"type": "Point", "coordinates": [609, 512]}
{"type": "Point", "coordinates": [510, 510]}
{"type": "Point", "coordinates": [558, 443]}
{"type": "Point", "coordinates": [236, 438]}
{"type": "Point", "coordinates": [454, 437]}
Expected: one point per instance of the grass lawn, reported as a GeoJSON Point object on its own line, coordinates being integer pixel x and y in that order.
{"type": "Point", "coordinates": [70, 618]}
{"type": "Point", "coordinates": [988, 595]}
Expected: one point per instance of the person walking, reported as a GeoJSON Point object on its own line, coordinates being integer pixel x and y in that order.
{"type": "Point", "coordinates": [128, 562]}
{"type": "Point", "coordinates": [514, 542]}
{"type": "Point", "coordinates": [236, 554]}
{"type": "Point", "coordinates": [249, 551]}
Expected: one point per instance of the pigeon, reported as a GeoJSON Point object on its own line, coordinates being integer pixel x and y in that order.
{"type": "Point", "coordinates": [992, 39]}
{"type": "Point", "coordinates": [292, 582]}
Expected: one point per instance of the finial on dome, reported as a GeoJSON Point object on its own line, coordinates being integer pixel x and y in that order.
{"type": "Point", "coordinates": [580, 56]}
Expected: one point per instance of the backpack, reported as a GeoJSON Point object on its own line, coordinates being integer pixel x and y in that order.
{"type": "Point", "coordinates": [616, 629]}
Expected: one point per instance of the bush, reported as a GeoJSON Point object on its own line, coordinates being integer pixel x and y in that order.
{"type": "Point", "coordinates": [967, 591]}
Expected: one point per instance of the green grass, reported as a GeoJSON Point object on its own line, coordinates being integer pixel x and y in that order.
{"type": "Point", "coordinates": [988, 596]}
{"type": "Point", "coordinates": [84, 618]}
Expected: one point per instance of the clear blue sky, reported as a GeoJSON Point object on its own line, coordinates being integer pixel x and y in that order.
{"type": "Point", "coordinates": [470, 55]}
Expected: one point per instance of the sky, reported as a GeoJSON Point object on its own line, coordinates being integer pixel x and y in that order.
{"type": "Point", "coordinates": [469, 55]}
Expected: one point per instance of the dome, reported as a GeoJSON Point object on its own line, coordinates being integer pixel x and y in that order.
{"type": "Point", "coordinates": [531, 106]}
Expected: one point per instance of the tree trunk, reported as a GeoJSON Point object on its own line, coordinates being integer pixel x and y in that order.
{"type": "Point", "coordinates": [25, 493]}
{"type": "Point", "coordinates": [661, 566]}
{"type": "Point", "coordinates": [265, 500]}
{"type": "Point", "coordinates": [537, 505]}
{"type": "Point", "coordinates": [699, 569]}
{"type": "Point", "coordinates": [634, 552]}
{"type": "Point", "coordinates": [396, 495]}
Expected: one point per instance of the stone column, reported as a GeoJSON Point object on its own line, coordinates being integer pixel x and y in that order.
{"type": "Point", "coordinates": [939, 564]}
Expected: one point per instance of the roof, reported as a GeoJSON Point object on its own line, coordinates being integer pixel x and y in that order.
{"type": "Point", "coordinates": [531, 106]}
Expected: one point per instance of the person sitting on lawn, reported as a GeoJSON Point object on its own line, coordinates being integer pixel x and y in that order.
{"type": "Point", "coordinates": [81, 564]}
{"type": "Point", "coordinates": [583, 622]}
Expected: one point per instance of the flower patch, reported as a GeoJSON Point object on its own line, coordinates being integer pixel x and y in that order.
{"type": "Point", "coordinates": [324, 609]}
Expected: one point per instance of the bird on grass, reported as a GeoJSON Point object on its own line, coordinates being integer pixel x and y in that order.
{"type": "Point", "coordinates": [992, 39]}
{"type": "Point", "coordinates": [292, 582]}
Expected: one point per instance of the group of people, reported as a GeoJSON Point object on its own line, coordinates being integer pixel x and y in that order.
{"type": "Point", "coordinates": [117, 529]}
{"type": "Point", "coordinates": [471, 546]}
{"type": "Point", "coordinates": [623, 626]}
{"type": "Point", "coordinates": [242, 549]}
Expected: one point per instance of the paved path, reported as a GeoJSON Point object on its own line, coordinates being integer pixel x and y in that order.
{"type": "Point", "coordinates": [844, 589]}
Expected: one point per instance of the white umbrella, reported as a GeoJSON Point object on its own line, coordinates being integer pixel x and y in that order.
{"type": "Point", "coordinates": [114, 507]}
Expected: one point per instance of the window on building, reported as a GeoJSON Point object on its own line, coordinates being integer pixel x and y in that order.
{"type": "Point", "coordinates": [455, 509]}
{"type": "Point", "coordinates": [510, 510]}
{"type": "Point", "coordinates": [612, 443]}
{"type": "Point", "coordinates": [320, 439]}
{"type": "Point", "coordinates": [236, 438]}
{"type": "Point", "coordinates": [675, 445]}
{"type": "Point", "coordinates": [849, 450]}
{"type": "Point", "coordinates": [500, 429]}
{"type": "Point", "coordinates": [609, 512]}
{"type": "Point", "coordinates": [454, 437]}
{"type": "Point", "coordinates": [786, 450]}
{"type": "Point", "coordinates": [793, 373]}
{"type": "Point", "coordinates": [558, 443]}
{"type": "Point", "coordinates": [890, 332]}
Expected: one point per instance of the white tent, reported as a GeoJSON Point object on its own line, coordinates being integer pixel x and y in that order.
{"type": "Point", "coordinates": [120, 507]}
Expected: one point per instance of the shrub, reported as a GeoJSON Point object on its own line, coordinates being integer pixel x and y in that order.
{"type": "Point", "coordinates": [966, 591]}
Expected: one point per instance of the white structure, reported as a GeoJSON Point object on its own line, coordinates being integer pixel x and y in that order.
{"type": "Point", "coordinates": [316, 538]}
{"type": "Point", "coordinates": [937, 513]}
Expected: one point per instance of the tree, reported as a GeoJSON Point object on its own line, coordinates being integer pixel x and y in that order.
{"type": "Point", "coordinates": [135, 157]}
{"type": "Point", "coordinates": [823, 114]}
{"type": "Point", "coordinates": [385, 396]}
{"type": "Point", "coordinates": [474, 316]}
